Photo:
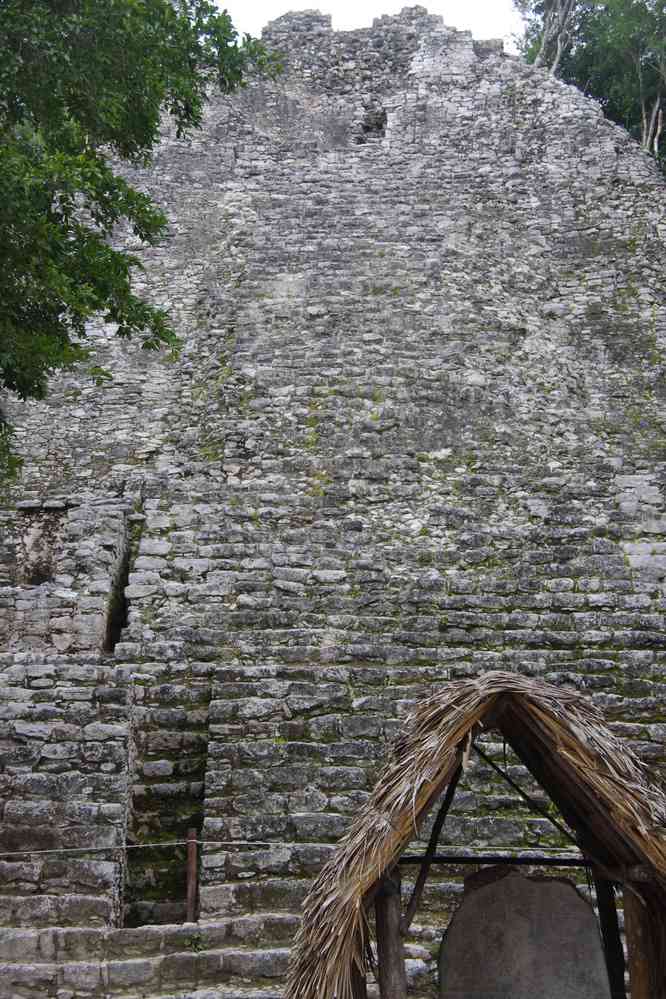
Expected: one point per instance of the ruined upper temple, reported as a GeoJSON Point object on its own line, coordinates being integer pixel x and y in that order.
{"type": "Point", "coordinates": [417, 430]}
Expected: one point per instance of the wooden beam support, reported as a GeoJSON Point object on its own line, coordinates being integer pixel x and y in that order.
{"type": "Point", "coordinates": [390, 949]}
{"type": "Point", "coordinates": [412, 905]}
{"type": "Point", "coordinates": [534, 805]}
{"type": "Point", "coordinates": [637, 935]}
{"type": "Point", "coordinates": [610, 933]}
{"type": "Point", "coordinates": [580, 809]}
{"type": "Point", "coordinates": [637, 873]}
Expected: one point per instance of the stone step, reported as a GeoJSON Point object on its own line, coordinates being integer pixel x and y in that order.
{"type": "Point", "coordinates": [58, 875]}
{"type": "Point", "coordinates": [140, 977]}
{"type": "Point", "coordinates": [305, 753]}
{"type": "Point", "coordinates": [140, 911]}
{"type": "Point", "coordinates": [265, 671]}
{"type": "Point", "coordinates": [219, 960]}
{"type": "Point", "coordinates": [103, 830]}
{"type": "Point", "coordinates": [232, 862]}
{"type": "Point", "coordinates": [43, 672]}
{"type": "Point", "coordinates": [279, 827]}
{"type": "Point", "coordinates": [237, 898]}
{"type": "Point", "coordinates": [297, 643]}
{"type": "Point", "coordinates": [67, 814]}
{"type": "Point", "coordinates": [67, 909]}
{"type": "Point", "coordinates": [77, 705]}
{"type": "Point", "coordinates": [72, 944]}
{"type": "Point", "coordinates": [286, 894]}
{"type": "Point", "coordinates": [223, 993]}
{"type": "Point", "coordinates": [74, 785]}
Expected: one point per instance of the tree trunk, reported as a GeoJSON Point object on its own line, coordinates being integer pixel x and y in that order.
{"type": "Point", "coordinates": [650, 128]}
{"type": "Point", "coordinates": [658, 130]}
{"type": "Point", "coordinates": [556, 29]}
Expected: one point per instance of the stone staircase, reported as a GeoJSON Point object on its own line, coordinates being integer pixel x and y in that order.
{"type": "Point", "coordinates": [226, 958]}
{"type": "Point", "coordinates": [170, 730]}
{"type": "Point", "coordinates": [304, 674]}
{"type": "Point", "coordinates": [234, 958]}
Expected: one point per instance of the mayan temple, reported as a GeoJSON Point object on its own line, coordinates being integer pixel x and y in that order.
{"type": "Point", "coordinates": [417, 432]}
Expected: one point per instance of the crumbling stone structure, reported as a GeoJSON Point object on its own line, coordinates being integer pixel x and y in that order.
{"type": "Point", "coordinates": [416, 431]}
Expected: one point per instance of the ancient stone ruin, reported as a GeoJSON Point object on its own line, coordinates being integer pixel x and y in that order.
{"type": "Point", "coordinates": [416, 432]}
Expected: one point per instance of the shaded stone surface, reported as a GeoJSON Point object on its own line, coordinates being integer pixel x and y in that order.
{"type": "Point", "coordinates": [519, 937]}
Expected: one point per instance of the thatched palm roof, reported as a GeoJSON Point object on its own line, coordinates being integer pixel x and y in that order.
{"type": "Point", "coordinates": [597, 782]}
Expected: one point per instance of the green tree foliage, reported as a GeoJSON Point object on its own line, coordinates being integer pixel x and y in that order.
{"type": "Point", "coordinates": [614, 51]}
{"type": "Point", "coordinates": [82, 84]}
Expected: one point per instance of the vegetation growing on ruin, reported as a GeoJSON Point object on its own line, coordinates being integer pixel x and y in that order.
{"type": "Point", "coordinates": [614, 51]}
{"type": "Point", "coordinates": [84, 84]}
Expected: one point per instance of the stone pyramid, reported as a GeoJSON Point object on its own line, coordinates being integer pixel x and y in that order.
{"type": "Point", "coordinates": [416, 431]}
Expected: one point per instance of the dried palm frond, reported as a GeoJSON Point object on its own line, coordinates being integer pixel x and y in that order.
{"type": "Point", "coordinates": [334, 933]}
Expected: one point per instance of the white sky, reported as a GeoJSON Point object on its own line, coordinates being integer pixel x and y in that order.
{"type": "Point", "coordinates": [484, 18]}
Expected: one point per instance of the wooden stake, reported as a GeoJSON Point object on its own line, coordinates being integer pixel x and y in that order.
{"type": "Point", "coordinates": [610, 932]}
{"type": "Point", "coordinates": [191, 897]}
{"type": "Point", "coordinates": [390, 950]}
{"type": "Point", "coordinates": [638, 946]}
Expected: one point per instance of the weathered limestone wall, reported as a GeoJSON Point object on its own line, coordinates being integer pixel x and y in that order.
{"type": "Point", "coordinates": [66, 573]}
{"type": "Point", "coordinates": [416, 432]}
{"type": "Point", "coordinates": [64, 779]}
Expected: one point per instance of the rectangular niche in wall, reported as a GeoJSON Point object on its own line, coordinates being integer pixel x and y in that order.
{"type": "Point", "coordinates": [170, 754]}
{"type": "Point", "coordinates": [40, 529]}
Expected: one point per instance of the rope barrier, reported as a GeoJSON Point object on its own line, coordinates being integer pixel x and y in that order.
{"type": "Point", "coordinates": [506, 855]}
{"type": "Point", "coordinates": [132, 846]}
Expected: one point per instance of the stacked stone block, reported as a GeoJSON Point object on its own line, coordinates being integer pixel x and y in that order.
{"type": "Point", "coordinates": [415, 433]}
{"type": "Point", "coordinates": [170, 727]}
{"type": "Point", "coordinates": [64, 586]}
{"type": "Point", "coordinates": [211, 961]}
{"type": "Point", "coordinates": [64, 777]}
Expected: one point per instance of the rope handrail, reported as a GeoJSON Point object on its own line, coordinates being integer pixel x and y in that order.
{"type": "Point", "coordinates": [133, 846]}
{"type": "Point", "coordinates": [507, 853]}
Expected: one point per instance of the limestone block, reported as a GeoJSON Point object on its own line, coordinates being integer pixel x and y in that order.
{"type": "Point", "coordinates": [131, 974]}
{"type": "Point", "coordinates": [18, 979]}
{"type": "Point", "coordinates": [81, 975]}
{"type": "Point", "coordinates": [519, 937]}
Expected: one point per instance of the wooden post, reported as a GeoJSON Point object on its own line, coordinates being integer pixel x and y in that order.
{"type": "Point", "coordinates": [191, 897]}
{"type": "Point", "coordinates": [638, 946]}
{"type": "Point", "coordinates": [390, 950]}
{"type": "Point", "coordinates": [610, 932]}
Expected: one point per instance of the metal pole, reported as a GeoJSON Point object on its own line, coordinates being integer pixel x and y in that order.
{"type": "Point", "coordinates": [541, 860]}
